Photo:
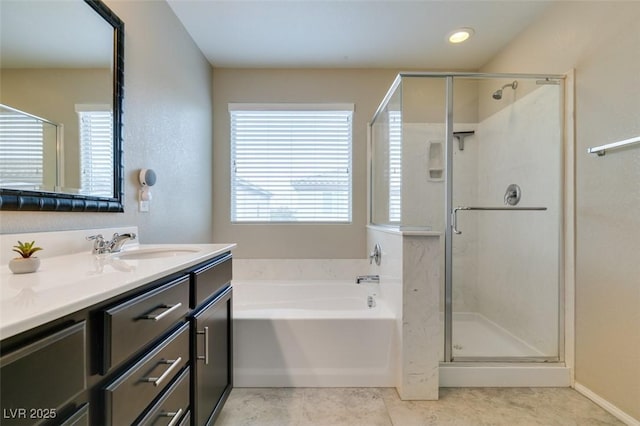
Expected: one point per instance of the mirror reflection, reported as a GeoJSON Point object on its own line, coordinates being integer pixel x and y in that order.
{"type": "Point", "coordinates": [56, 91]}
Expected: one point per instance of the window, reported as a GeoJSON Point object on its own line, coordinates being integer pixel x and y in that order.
{"type": "Point", "coordinates": [291, 163]}
{"type": "Point", "coordinates": [395, 166]}
{"type": "Point", "coordinates": [96, 150]}
{"type": "Point", "coordinates": [21, 149]}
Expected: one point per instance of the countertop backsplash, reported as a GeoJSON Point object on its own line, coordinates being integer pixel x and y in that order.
{"type": "Point", "coordinates": [58, 243]}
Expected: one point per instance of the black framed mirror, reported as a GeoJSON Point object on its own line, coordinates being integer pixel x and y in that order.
{"type": "Point", "coordinates": [77, 163]}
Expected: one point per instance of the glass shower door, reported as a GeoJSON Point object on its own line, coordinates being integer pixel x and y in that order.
{"type": "Point", "coordinates": [506, 210]}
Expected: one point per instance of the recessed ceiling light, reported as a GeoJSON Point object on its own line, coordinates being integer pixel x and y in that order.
{"type": "Point", "coordinates": [460, 35]}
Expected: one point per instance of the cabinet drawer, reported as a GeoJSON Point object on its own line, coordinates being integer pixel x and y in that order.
{"type": "Point", "coordinates": [133, 324]}
{"type": "Point", "coordinates": [43, 376]}
{"type": "Point", "coordinates": [79, 418]}
{"type": "Point", "coordinates": [210, 279]}
{"type": "Point", "coordinates": [186, 420]}
{"type": "Point", "coordinates": [172, 406]}
{"type": "Point", "coordinates": [128, 395]}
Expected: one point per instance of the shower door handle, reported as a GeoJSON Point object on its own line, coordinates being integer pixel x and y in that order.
{"type": "Point", "coordinates": [454, 215]}
{"type": "Point", "coordinates": [454, 219]}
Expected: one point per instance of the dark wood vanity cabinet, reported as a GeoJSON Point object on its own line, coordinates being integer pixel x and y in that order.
{"type": "Point", "coordinates": [211, 336]}
{"type": "Point", "coordinates": [211, 328]}
{"type": "Point", "coordinates": [158, 355]}
{"type": "Point", "coordinates": [40, 381]}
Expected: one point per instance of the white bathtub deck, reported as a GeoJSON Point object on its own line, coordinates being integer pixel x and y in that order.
{"type": "Point", "coordinates": [311, 334]}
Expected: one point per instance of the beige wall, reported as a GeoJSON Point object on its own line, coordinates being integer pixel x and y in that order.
{"type": "Point", "coordinates": [167, 127]}
{"type": "Point", "coordinates": [53, 94]}
{"type": "Point", "coordinates": [364, 88]}
{"type": "Point", "coordinates": [601, 40]}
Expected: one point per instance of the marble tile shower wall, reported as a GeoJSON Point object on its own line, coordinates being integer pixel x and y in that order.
{"type": "Point", "coordinates": [423, 195]}
{"type": "Point", "coordinates": [518, 255]}
{"type": "Point", "coordinates": [390, 268]}
{"type": "Point", "coordinates": [410, 277]}
{"type": "Point", "coordinates": [423, 200]}
{"type": "Point", "coordinates": [518, 144]}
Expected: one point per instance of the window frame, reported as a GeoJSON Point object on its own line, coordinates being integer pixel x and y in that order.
{"type": "Point", "coordinates": [319, 108]}
{"type": "Point", "coordinates": [87, 181]}
{"type": "Point", "coordinates": [395, 166]}
{"type": "Point", "coordinates": [23, 133]}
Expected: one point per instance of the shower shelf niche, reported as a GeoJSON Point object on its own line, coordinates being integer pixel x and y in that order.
{"type": "Point", "coordinates": [435, 161]}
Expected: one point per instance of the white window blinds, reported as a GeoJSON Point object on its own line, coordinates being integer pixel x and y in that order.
{"type": "Point", "coordinates": [395, 166]}
{"type": "Point", "coordinates": [96, 150]}
{"type": "Point", "coordinates": [21, 150]}
{"type": "Point", "coordinates": [291, 163]}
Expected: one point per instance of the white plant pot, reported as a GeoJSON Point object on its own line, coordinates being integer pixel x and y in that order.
{"type": "Point", "coordinates": [23, 265]}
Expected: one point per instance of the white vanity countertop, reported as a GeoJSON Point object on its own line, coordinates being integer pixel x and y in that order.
{"type": "Point", "coordinates": [66, 284]}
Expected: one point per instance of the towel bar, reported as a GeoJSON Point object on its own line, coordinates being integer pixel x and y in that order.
{"type": "Point", "coordinates": [602, 149]}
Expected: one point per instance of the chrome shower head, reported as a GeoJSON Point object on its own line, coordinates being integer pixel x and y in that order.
{"type": "Point", "coordinates": [497, 95]}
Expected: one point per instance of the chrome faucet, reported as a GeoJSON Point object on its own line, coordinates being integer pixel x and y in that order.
{"type": "Point", "coordinates": [118, 240]}
{"type": "Point", "coordinates": [102, 246]}
{"type": "Point", "coordinates": [375, 255]}
{"type": "Point", "coordinates": [368, 279]}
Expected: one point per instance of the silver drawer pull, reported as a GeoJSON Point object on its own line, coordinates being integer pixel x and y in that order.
{"type": "Point", "coordinates": [175, 363]}
{"type": "Point", "coordinates": [175, 416]}
{"type": "Point", "coordinates": [158, 317]}
{"type": "Point", "coordinates": [206, 346]}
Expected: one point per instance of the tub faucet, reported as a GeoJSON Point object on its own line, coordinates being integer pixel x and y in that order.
{"type": "Point", "coordinates": [368, 279]}
{"type": "Point", "coordinates": [102, 246]}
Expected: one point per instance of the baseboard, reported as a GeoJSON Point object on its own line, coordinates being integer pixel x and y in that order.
{"type": "Point", "coordinates": [506, 375]}
{"type": "Point", "coordinates": [621, 415]}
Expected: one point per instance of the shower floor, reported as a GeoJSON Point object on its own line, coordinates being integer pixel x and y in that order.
{"type": "Point", "coordinates": [476, 336]}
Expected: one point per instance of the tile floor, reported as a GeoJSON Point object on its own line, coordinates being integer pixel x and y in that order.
{"type": "Point", "coordinates": [382, 406]}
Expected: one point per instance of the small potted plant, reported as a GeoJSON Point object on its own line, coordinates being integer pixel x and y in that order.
{"type": "Point", "coordinates": [26, 262]}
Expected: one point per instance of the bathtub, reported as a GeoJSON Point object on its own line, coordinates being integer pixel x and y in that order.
{"type": "Point", "coordinates": [311, 334]}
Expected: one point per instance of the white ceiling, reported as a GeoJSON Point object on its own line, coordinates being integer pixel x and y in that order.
{"type": "Point", "coordinates": [352, 33]}
{"type": "Point", "coordinates": [53, 34]}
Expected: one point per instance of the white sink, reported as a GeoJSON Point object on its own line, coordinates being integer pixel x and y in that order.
{"type": "Point", "coordinates": [154, 253]}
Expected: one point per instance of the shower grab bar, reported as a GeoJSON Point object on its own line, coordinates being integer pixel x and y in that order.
{"type": "Point", "coordinates": [454, 215]}
{"type": "Point", "coordinates": [602, 149]}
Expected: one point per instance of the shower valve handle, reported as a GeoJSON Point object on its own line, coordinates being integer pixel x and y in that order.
{"type": "Point", "coordinates": [376, 255]}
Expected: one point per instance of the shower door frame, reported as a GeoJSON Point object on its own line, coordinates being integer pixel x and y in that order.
{"type": "Point", "coordinates": [449, 211]}
{"type": "Point", "coordinates": [566, 249]}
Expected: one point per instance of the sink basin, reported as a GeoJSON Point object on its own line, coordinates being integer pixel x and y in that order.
{"type": "Point", "coordinates": [153, 253]}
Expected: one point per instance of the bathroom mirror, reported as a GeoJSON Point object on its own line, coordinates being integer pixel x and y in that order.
{"type": "Point", "coordinates": [61, 94]}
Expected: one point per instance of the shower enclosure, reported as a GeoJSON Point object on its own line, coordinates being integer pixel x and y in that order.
{"type": "Point", "coordinates": [479, 158]}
